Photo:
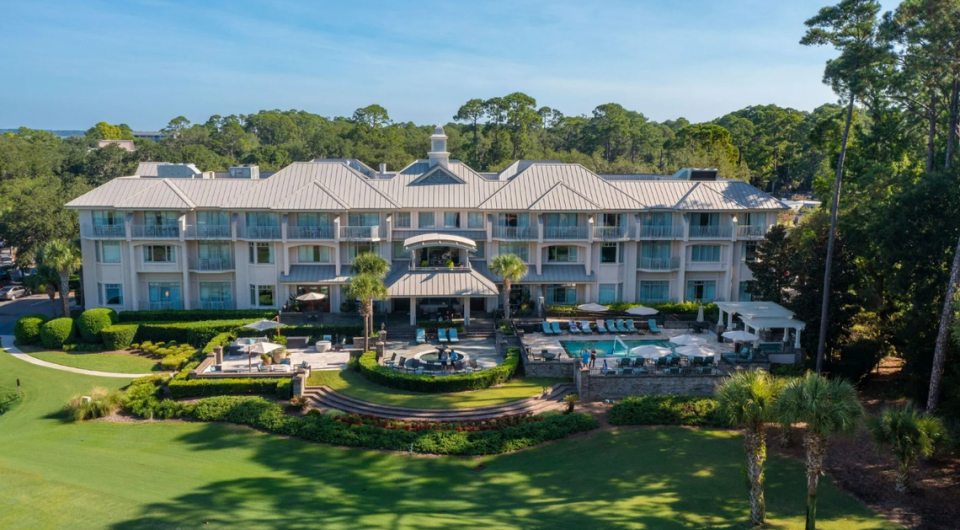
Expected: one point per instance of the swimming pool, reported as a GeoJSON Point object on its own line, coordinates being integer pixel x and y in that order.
{"type": "Point", "coordinates": [609, 347]}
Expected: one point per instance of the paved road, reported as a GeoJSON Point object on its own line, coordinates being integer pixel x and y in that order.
{"type": "Point", "coordinates": [10, 311]}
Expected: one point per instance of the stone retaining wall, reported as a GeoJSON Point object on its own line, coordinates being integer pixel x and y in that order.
{"type": "Point", "coordinates": [599, 387]}
{"type": "Point", "coordinates": [559, 368]}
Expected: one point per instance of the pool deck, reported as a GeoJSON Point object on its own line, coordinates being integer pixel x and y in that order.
{"type": "Point", "coordinates": [538, 342]}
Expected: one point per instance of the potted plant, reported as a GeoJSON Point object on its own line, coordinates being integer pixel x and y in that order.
{"type": "Point", "coordinates": [424, 263]}
{"type": "Point", "coordinates": [449, 263]}
{"type": "Point", "coordinates": [266, 359]}
{"type": "Point", "coordinates": [278, 355]}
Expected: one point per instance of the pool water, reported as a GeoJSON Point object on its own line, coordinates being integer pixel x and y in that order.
{"type": "Point", "coordinates": [609, 347]}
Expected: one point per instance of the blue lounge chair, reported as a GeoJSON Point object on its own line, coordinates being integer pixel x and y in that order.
{"type": "Point", "coordinates": [585, 327]}
{"type": "Point", "coordinates": [573, 327]}
{"type": "Point", "coordinates": [622, 327]}
{"type": "Point", "coordinates": [328, 338]}
{"type": "Point", "coordinates": [453, 335]}
{"type": "Point", "coordinates": [546, 328]}
{"type": "Point", "coordinates": [442, 334]}
{"type": "Point", "coordinates": [600, 327]}
{"type": "Point", "coordinates": [612, 327]}
{"type": "Point", "coordinates": [631, 327]}
{"type": "Point", "coordinates": [556, 328]}
{"type": "Point", "coordinates": [421, 336]}
{"type": "Point", "coordinates": [653, 326]}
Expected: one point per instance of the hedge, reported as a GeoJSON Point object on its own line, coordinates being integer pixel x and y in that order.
{"type": "Point", "coordinates": [92, 321]}
{"type": "Point", "coordinates": [314, 332]}
{"type": "Point", "coordinates": [27, 328]}
{"type": "Point", "coordinates": [56, 332]}
{"type": "Point", "coordinates": [193, 388]}
{"type": "Point", "coordinates": [119, 336]}
{"type": "Point", "coordinates": [195, 333]}
{"type": "Point", "coordinates": [665, 410]}
{"type": "Point", "coordinates": [194, 315]}
{"type": "Point", "coordinates": [432, 384]}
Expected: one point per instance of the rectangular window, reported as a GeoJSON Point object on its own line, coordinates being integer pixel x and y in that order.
{"type": "Point", "coordinates": [313, 254]}
{"type": "Point", "coordinates": [562, 254]}
{"type": "Point", "coordinates": [561, 294]}
{"type": "Point", "coordinates": [480, 253]}
{"type": "Point", "coordinates": [654, 291]}
{"type": "Point", "coordinates": [261, 253]}
{"type": "Point", "coordinates": [215, 292]}
{"type": "Point", "coordinates": [364, 219]}
{"type": "Point", "coordinates": [110, 293]}
{"type": "Point", "coordinates": [655, 250]}
{"type": "Point", "coordinates": [709, 253]}
{"type": "Point", "coordinates": [519, 249]}
{"type": "Point", "coordinates": [701, 290]}
{"type": "Point", "coordinates": [106, 218]}
{"type": "Point", "coordinates": [213, 219]}
{"type": "Point", "coordinates": [108, 251]}
{"type": "Point", "coordinates": [475, 220]}
{"type": "Point", "coordinates": [513, 219]}
{"type": "Point", "coordinates": [425, 220]}
{"type": "Point", "coordinates": [609, 293]}
{"type": "Point", "coordinates": [160, 218]}
{"type": "Point", "coordinates": [363, 248]}
{"type": "Point", "coordinates": [704, 219]}
{"type": "Point", "coordinates": [164, 295]}
{"type": "Point", "coordinates": [609, 252]}
{"type": "Point", "coordinates": [560, 220]}
{"type": "Point", "coordinates": [218, 251]}
{"type": "Point", "coordinates": [611, 220]}
{"type": "Point", "coordinates": [744, 296]}
{"type": "Point", "coordinates": [756, 219]}
{"type": "Point", "coordinates": [262, 219]}
{"type": "Point", "coordinates": [261, 295]}
{"type": "Point", "coordinates": [657, 219]}
{"type": "Point", "coordinates": [313, 219]}
{"type": "Point", "coordinates": [749, 253]}
{"type": "Point", "coordinates": [399, 252]}
{"type": "Point", "coordinates": [401, 220]}
{"type": "Point", "coordinates": [451, 220]}
{"type": "Point", "coordinates": [159, 254]}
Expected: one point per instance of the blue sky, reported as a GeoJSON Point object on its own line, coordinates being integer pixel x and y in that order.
{"type": "Point", "coordinates": [69, 64]}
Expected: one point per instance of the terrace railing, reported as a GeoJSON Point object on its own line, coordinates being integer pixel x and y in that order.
{"type": "Point", "coordinates": [359, 233]}
{"type": "Point", "coordinates": [747, 231]}
{"type": "Point", "coordinates": [659, 264]}
{"type": "Point", "coordinates": [661, 231]}
{"type": "Point", "coordinates": [103, 231]}
{"type": "Point", "coordinates": [565, 232]}
{"type": "Point", "coordinates": [611, 233]}
{"type": "Point", "coordinates": [711, 232]}
{"type": "Point", "coordinates": [310, 232]}
{"type": "Point", "coordinates": [515, 233]}
{"type": "Point", "coordinates": [211, 264]}
{"type": "Point", "coordinates": [146, 305]}
{"type": "Point", "coordinates": [216, 305]}
{"type": "Point", "coordinates": [260, 232]}
{"type": "Point", "coordinates": [208, 232]}
{"type": "Point", "coordinates": [155, 231]}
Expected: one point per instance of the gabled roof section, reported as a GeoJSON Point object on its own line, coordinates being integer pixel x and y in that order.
{"type": "Point", "coordinates": [467, 194]}
{"type": "Point", "coordinates": [700, 197]}
{"type": "Point", "coordinates": [343, 183]}
{"type": "Point", "coordinates": [746, 195]}
{"type": "Point", "coordinates": [147, 169]}
{"type": "Point", "coordinates": [561, 197]}
{"type": "Point", "coordinates": [525, 189]}
{"type": "Point", "coordinates": [313, 196]}
{"type": "Point", "coordinates": [164, 196]}
{"type": "Point", "coordinates": [114, 191]}
{"type": "Point", "coordinates": [438, 175]}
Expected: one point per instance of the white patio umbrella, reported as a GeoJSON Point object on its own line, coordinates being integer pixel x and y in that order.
{"type": "Point", "coordinates": [740, 336]}
{"type": "Point", "coordinates": [311, 297]}
{"type": "Point", "coordinates": [650, 351]}
{"type": "Point", "coordinates": [687, 340]}
{"type": "Point", "coordinates": [259, 348]}
{"type": "Point", "coordinates": [263, 325]}
{"type": "Point", "coordinates": [696, 351]}
{"type": "Point", "coordinates": [642, 311]}
{"type": "Point", "coordinates": [592, 307]}
{"type": "Point", "coordinates": [700, 314]}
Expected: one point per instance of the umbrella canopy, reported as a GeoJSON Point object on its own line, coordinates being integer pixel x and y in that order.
{"type": "Point", "coordinates": [700, 314]}
{"type": "Point", "coordinates": [263, 325]}
{"type": "Point", "coordinates": [311, 297]}
{"type": "Point", "coordinates": [264, 347]}
{"type": "Point", "coordinates": [741, 336]}
{"type": "Point", "coordinates": [696, 351]}
{"type": "Point", "coordinates": [687, 340]}
{"type": "Point", "coordinates": [592, 307]}
{"type": "Point", "coordinates": [642, 311]}
{"type": "Point", "coordinates": [649, 351]}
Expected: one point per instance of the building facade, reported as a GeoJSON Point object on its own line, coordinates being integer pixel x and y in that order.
{"type": "Point", "coordinates": [224, 243]}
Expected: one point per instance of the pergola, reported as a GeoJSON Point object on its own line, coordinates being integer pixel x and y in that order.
{"type": "Point", "coordinates": [758, 316]}
{"type": "Point", "coordinates": [758, 324]}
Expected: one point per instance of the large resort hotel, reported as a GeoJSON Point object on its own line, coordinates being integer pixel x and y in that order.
{"type": "Point", "coordinates": [172, 237]}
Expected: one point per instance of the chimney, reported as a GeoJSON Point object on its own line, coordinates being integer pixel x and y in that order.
{"type": "Point", "coordinates": [383, 169]}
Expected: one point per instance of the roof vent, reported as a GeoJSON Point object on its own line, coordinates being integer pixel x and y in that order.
{"type": "Point", "coordinates": [696, 174]}
{"type": "Point", "coordinates": [245, 171]}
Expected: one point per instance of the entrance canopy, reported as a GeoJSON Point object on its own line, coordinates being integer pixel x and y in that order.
{"type": "Point", "coordinates": [446, 284]}
{"type": "Point", "coordinates": [436, 240]}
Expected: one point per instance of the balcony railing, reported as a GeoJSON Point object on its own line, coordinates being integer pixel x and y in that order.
{"type": "Point", "coordinates": [517, 233]}
{"type": "Point", "coordinates": [711, 232]}
{"type": "Point", "coordinates": [260, 232]}
{"type": "Point", "coordinates": [156, 231]}
{"type": "Point", "coordinates": [211, 264]}
{"type": "Point", "coordinates": [463, 267]}
{"type": "Point", "coordinates": [706, 265]}
{"type": "Point", "coordinates": [146, 305]}
{"type": "Point", "coordinates": [609, 233]}
{"type": "Point", "coordinates": [208, 232]}
{"type": "Point", "coordinates": [751, 231]}
{"type": "Point", "coordinates": [359, 232]}
{"type": "Point", "coordinates": [213, 304]}
{"type": "Point", "coordinates": [310, 232]}
{"type": "Point", "coordinates": [104, 231]}
{"type": "Point", "coordinates": [565, 232]}
{"type": "Point", "coordinates": [661, 231]}
{"type": "Point", "coordinates": [659, 264]}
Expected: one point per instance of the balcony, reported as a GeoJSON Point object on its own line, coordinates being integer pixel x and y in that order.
{"type": "Point", "coordinates": [156, 231]}
{"type": "Point", "coordinates": [208, 232]}
{"type": "Point", "coordinates": [103, 231]}
{"type": "Point", "coordinates": [360, 233]}
{"type": "Point", "coordinates": [751, 232]}
{"type": "Point", "coordinates": [463, 267]}
{"type": "Point", "coordinates": [215, 305]}
{"type": "Point", "coordinates": [711, 232]}
{"type": "Point", "coordinates": [611, 233]}
{"type": "Point", "coordinates": [211, 264]}
{"type": "Point", "coordinates": [706, 266]}
{"type": "Point", "coordinates": [565, 232]}
{"type": "Point", "coordinates": [661, 231]}
{"type": "Point", "coordinates": [515, 233]}
{"type": "Point", "coordinates": [659, 264]}
{"type": "Point", "coordinates": [160, 306]}
{"type": "Point", "coordinates": [259, 232]}
{"type": "Point", "coordinates": [310, 232]}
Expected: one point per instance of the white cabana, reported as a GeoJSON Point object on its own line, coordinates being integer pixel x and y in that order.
{"type": "Point", "coordinates": [758, 324]}
{"type": "Point", "coordinates": [687, 340]}
{"type": "Point", "coordinates": [759, 316]}
{"type": "Point", "coordinates": [650, 351]}
{"type": "Point", "coordinates": [740, 336]}
{"type": "Point", "coordinates": [592, 307]}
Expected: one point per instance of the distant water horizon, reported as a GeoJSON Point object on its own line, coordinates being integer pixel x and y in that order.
{"type": "Point", "coordinates": [62, 133]}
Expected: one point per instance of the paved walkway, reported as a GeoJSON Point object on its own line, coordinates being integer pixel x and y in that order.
{"type": "Point", "coordinates": [14, 351]}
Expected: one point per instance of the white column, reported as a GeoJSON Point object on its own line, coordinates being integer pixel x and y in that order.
{"type": "Point", "coordinates": [786, 334]}
{"type": "Point", "coordinates": [539, 248]}
{"type": "Point", "coordinates": [133, 295]}
{"type": "Point", "coordinates": [466, 310]}
{"type": "Point", "coordinates": [185, 290]}
{"type": "Point", "coordinates": [730, 320]}
{"type": "Point", "coordinates": [720, 320]}
{"type": "Point", "coordinates": [796, 341]}
{"type": "Point", "coordinates": [413, 310]}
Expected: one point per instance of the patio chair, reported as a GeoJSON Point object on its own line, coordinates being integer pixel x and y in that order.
{"type": "Point", "coordinates": [328, 338]}
{"type": "Point", "coordinates": [661, 362]}
{"type": "Point", "coordinates": [622, 327]}
{"type": "Point", "coordinates": [627, 371]}
{"type": "Point", "coordinates": [638, 362]}
{"type": "Point", "coordinates": [612, 326]}
{"type": "Point", "coordinates": [419, 371]}
{"type": "Point", "coordinates": [653, 326]}
{"type": "Point", "coordinates": [585, 327]}
{"type": "Point", "coordinates": [674, 361]}
{"type": "Point", "coordinates": [624, 362]}
{"type": "Point", "coordinates": [546, 328]}
{"type": "Point", "coordinates": [421, 336]}
{"type": "Point", "coordinates": [453, 335]}
{"type": "Point", "coordinates": [401, 364]}
{"type": "Point", "coordinates": [600, 327]}
{"type": "Point", "coordinates": [442, 334]}
{"type": "Point", "coordinates": [573, 327]}
{"type": "Point", "coordinates": [555, 326]}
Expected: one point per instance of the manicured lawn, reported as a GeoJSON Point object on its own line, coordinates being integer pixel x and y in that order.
{"type": "Point", "coordinates": [354, 385]}
{"type": "Point", "coordinates": [120, 363]}
{"type": "Point", "coordinates": [168, 475]}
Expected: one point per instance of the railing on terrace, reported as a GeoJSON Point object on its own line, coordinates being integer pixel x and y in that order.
{"type": "Point", "coordinates": [359, 232]}
{"type": "Point", "coordinates": [211, 264]}
{"type": "Point", "coordinates": [103, 231]}
{"type": "Point", "coordinates": [721, 265]}
{"type": "Point", "coordinates": [659, 264]}
{"type": "Point", "coordinates": [710, 232]}
{"type": "Point", "coordinates": [611, 232]}
{"type": "Point", "coordinates": [310, 232]}
{"type": "Point", "coordinates": [259, 232]}
{"type": "Point", "coordinates": [156, 231]}
{"type": "Point", "coordinates": [751, 231]}
{"type": "Point", "coordinates": [208, 232]}
{"type": "Point", "coordinates": [463, 267]}
{"type": "Point", "coordinates": [566, 232]}
{"type": "Point", "coordinates": [146, 305]}
{"type": "Point", "coordinates": [515, 232]}
{"type": "Point", "coordinates": [213, 304]}
{"type": "Point", "coordinates": [661, 231]}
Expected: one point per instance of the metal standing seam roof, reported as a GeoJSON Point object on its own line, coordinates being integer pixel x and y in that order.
{"type": "Point", "coordinates": [530, 185]}
{"type": "Point", "coordinates": [405, 190]}
{"type": "Point", "coordinates": [404, 282]}
{"type": "Point", "coordinates": [288, 186]}
{"type": "Point", "coordinates": [756, 309]}
{"type": "Point", "coordinates": [147, 169]}
{"type": "Point", "coordinates": [315, 274]}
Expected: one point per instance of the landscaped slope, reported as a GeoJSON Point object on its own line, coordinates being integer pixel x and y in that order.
{"type": "Point", "coordinates": [185, 475]}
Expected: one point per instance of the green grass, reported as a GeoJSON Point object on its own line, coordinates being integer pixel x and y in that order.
{"type": "Point", "coordinates": [352, 384]}
{"type": "Point", "coordinates": [121, 363]}
{"type": "Point", "coordinates": [168, 475]}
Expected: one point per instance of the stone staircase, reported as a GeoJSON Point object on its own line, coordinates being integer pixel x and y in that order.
{"type": "Point", "coordinates": [324, 397]}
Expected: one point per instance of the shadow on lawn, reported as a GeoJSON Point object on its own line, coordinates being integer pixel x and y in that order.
{"type": "Point", "coordinates": [665, 479]}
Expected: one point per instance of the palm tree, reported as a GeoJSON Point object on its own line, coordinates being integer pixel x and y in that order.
{"type": "Point", "coordinates": [511, 269]}
{"type": "Point", "coordinates": [827, 406]}
{"type": "Point", "coordinates": [376, 266]}
{"type": "Point", "coordinates": [909, 434]}
{"type": "Point", "coordinates": [366, 287]}
{"type": "Point", "coordinates": [747, 399]}
{"type": "Point", "coordinates": [63, 257]}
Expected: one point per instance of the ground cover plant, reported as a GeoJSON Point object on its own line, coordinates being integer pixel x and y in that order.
{"type": "Point", "coordinates": [665, 410]}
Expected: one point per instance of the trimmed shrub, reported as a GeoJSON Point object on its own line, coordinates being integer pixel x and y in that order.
{"type": "Point", "coordinates": [194, 315]}
{"type": "Point", "coordinates": [196, 333]}
{"type": "Point", "coordinates": [84, 347]}
{"type": "Point", "coordinates": [56, 332]}
{"type": "Point", "coordinates": [433, 384]}
{"type": "Point", "coordinates": [665, 410]}
{"type": "Point", "coordinates": [119, 336]}
{"type": "Point", "coordinates": [27, 328]}
{"type": "Point", "coordinates": [92, 321]}
{"type": "Point", "coordinates": [285, 389]}
{"type": "Point", "coordinates": [314, 332]}
{"type": "Point", "coordinates": [222, 387]}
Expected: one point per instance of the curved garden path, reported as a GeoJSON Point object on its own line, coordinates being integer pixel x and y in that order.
{"type": "Point", "coordinates": [15, 352]}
